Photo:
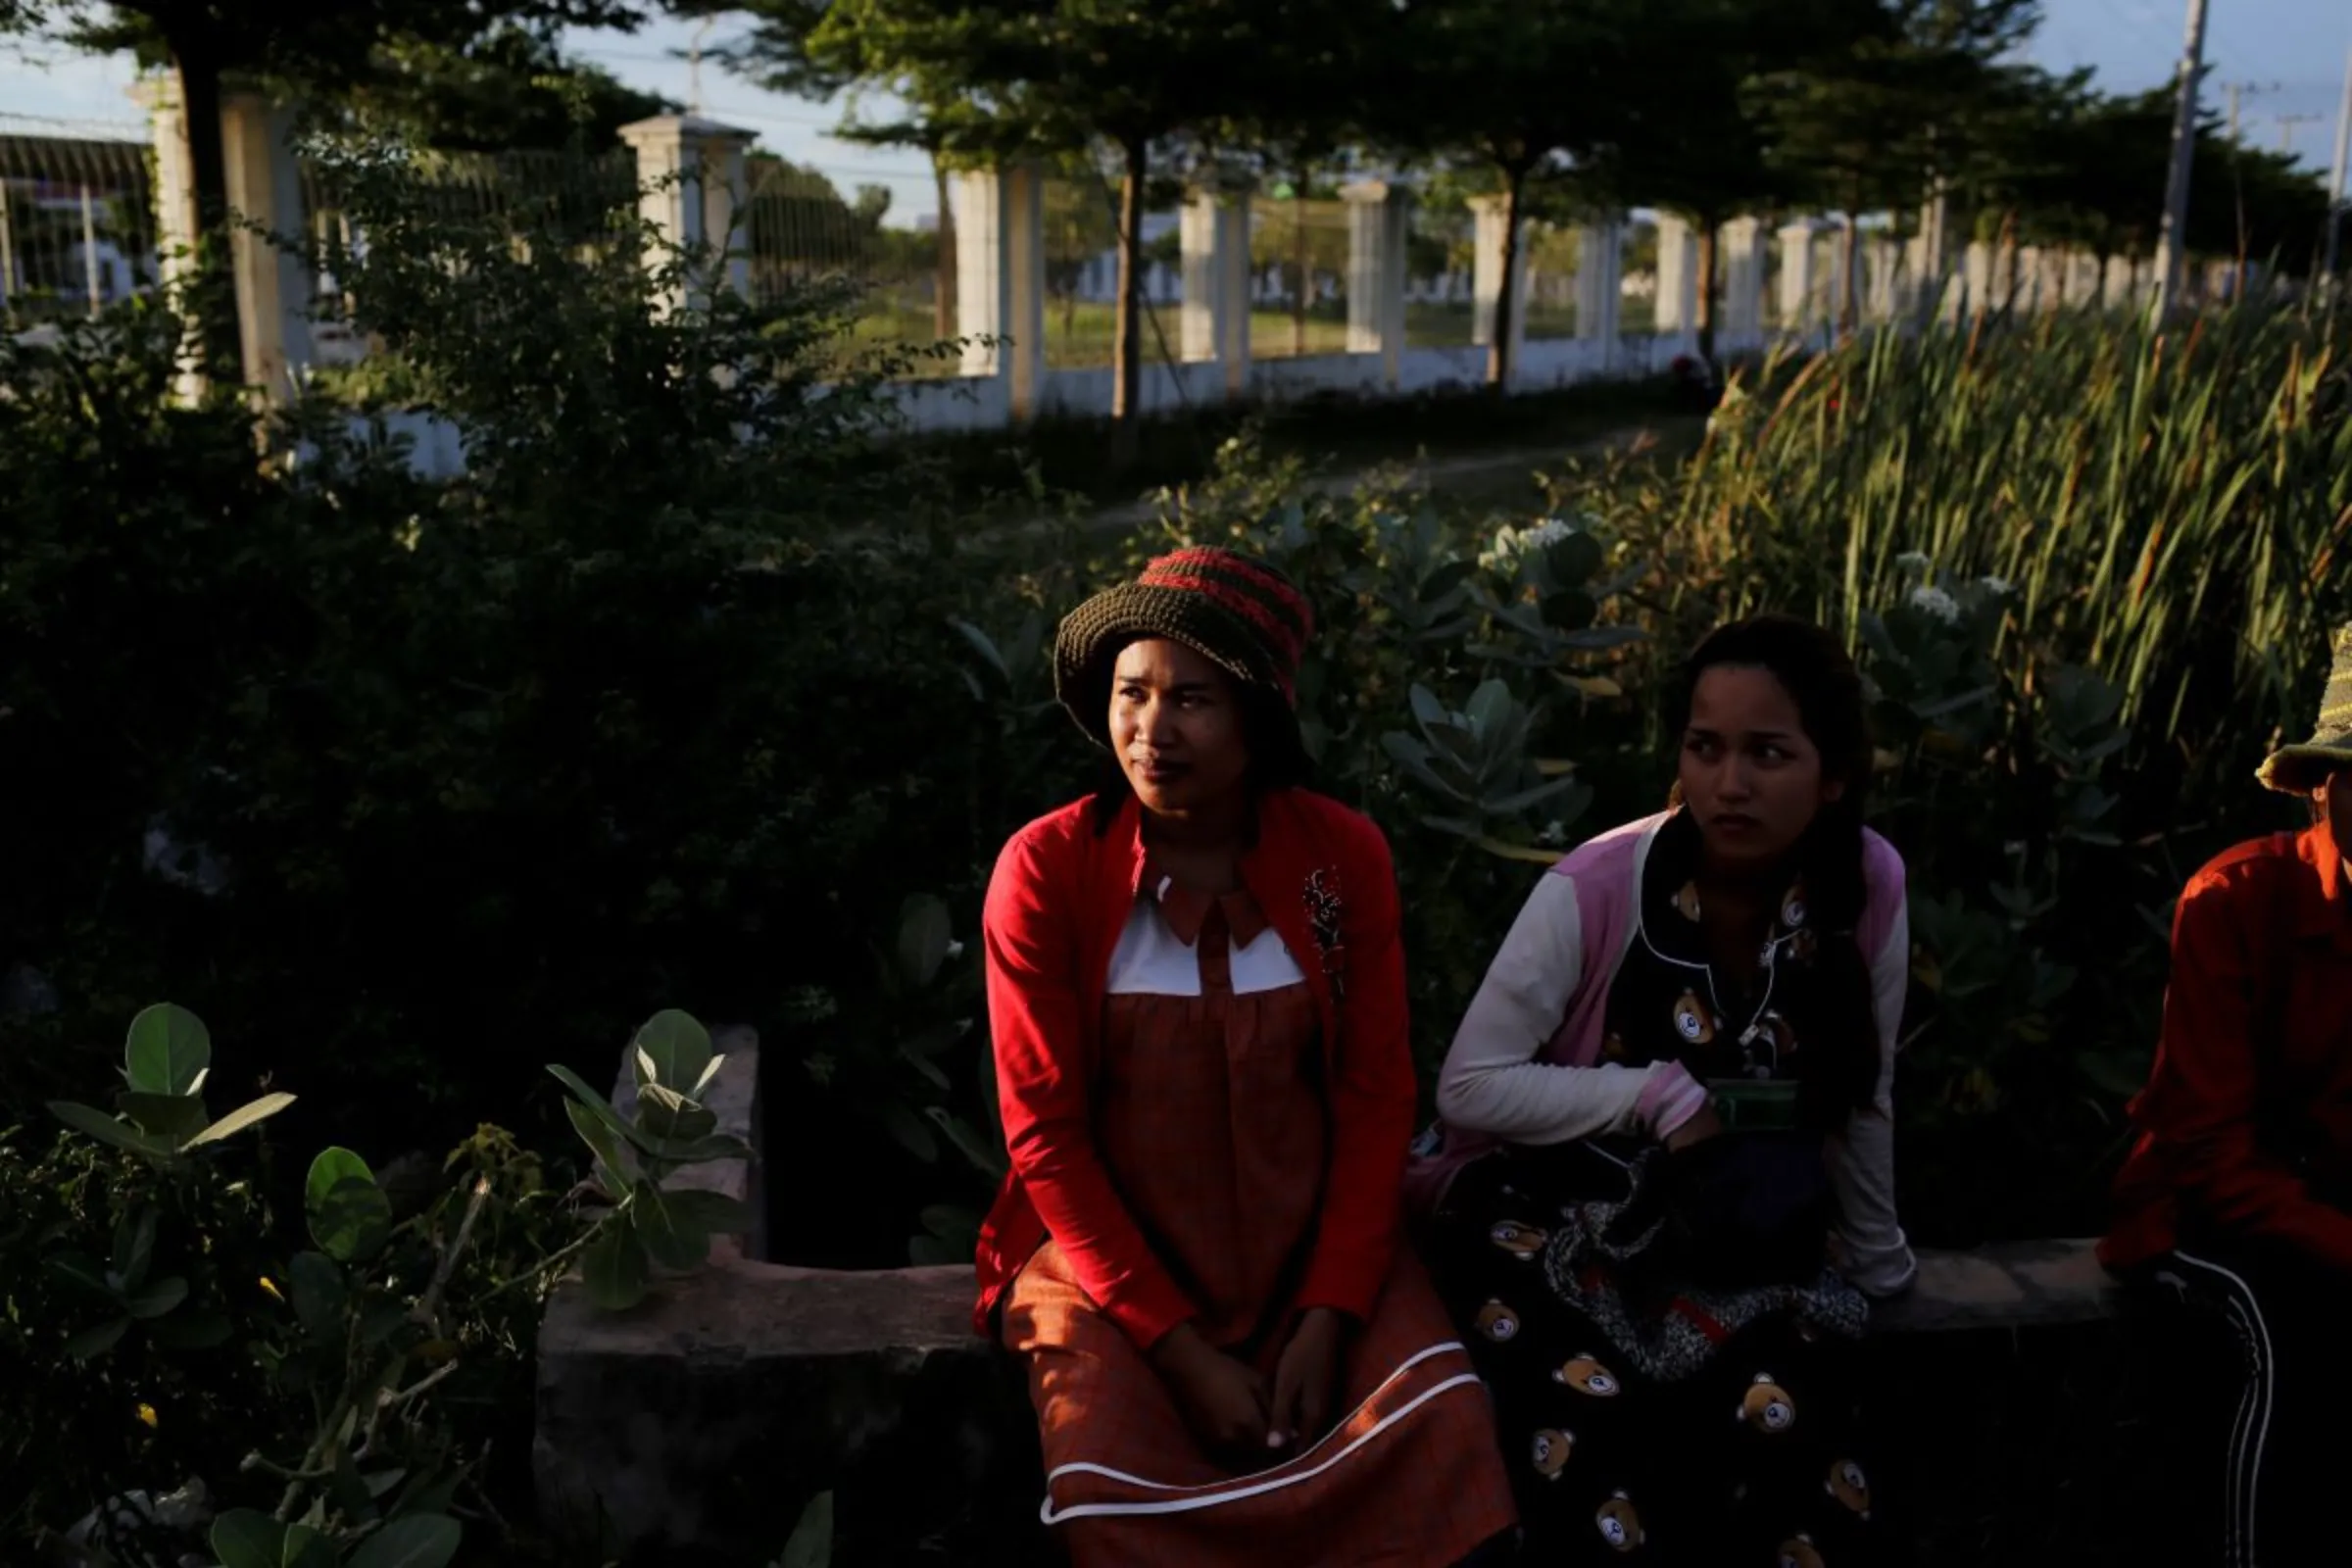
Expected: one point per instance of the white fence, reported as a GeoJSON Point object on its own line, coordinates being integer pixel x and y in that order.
{"type": "Point", "coordinates": [1255, 299]}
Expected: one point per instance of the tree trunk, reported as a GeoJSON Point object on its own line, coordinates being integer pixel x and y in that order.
{"type": "Point", "coordinates": [218, 341]}
{"type": "Point", "coordinates": [1507, 292]}
{"type": "Point", "coordinates": [945, 316]}
{"type": "Point", "coordinates": [1303, 263]}
{"type": "Point", "coordinates": [1126, 370]}
{"type": "Point", "coordinates": [1709, 226]}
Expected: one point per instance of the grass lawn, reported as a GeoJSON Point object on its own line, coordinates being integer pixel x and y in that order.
{"type": "Point", "coordinates": [1079, 336]}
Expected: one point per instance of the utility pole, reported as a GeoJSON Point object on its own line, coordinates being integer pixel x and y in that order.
{"type": "Point", "coordinates": [2173, 237]}
{"type": "Point", "coordinates": [2249, 89]}
{"type": "Point", "coordinates": [2286, 129]}
{"type": "Point", "coordinates": [2343, 166]}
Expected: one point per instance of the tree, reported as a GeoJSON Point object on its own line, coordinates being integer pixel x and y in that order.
{"type": "Point", "coordinates": [509, 89]}
{"type": "Point", "coordinates": [1699, 142]}
{"type": "Point", "coordinates": [1525, 92]}
{"type": "Point", "coordinates": [1055, 76]}
{"type": "Point", "coordinates": [1887, 121]}
{"type": "Point", "coordinates": [325, 49]}
{"type": "Point", "coordinates": [774, 52]}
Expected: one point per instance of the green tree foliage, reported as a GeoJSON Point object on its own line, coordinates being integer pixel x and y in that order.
{"type": "Point", "coordinates": [1057, 76]}
{"type": "Point", "coordinates": [325, 49]}
{"type": "Point", "coordinates": [509, 89]}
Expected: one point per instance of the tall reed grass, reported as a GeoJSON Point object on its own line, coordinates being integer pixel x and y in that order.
{"type": "Point", "coordinates": [2171, 503]}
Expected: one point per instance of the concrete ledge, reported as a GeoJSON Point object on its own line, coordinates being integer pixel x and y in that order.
{"type": "Point", "coordinates": [693, 1429]}
{"type": "Point", "coordinates": [2011, 1284]}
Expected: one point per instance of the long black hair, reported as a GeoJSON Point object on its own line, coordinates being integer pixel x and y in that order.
{"type": "Point", "coordinates": [1838, 1069]}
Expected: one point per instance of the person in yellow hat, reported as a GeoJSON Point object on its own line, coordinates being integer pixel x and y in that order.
{"type": "Point", "coordinates": [2236, 1196]}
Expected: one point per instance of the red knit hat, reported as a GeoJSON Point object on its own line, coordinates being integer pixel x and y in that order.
{"type": "Point", "coordinates": [1233, 610]}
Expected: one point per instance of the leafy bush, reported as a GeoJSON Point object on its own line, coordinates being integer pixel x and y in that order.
{"type": "Point", "coordinates": [336, 1400]}
{"type": "Point", "coordinates": [659, 699]}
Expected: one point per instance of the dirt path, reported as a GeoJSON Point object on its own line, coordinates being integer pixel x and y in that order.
{"type": "Point", "coordinates": [1456, 472]}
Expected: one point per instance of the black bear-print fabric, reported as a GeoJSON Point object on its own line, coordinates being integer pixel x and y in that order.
{"type": "Point", "coordinates": [1755, 1459]}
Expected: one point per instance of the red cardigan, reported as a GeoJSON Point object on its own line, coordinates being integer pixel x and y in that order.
{"type": "Point", "coordinates": [1058, 901]}
{"type": "Point", "coordinates": [2247, 1117]}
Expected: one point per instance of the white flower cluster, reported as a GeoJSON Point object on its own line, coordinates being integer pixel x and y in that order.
{"type": "Point", "coordinates": [1512, 545]}
{"type": "Point", "coordinates": [1930, 600]}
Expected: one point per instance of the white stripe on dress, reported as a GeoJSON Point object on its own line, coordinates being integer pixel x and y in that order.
{"type": "Point", "coordinates": [1187, 1499]}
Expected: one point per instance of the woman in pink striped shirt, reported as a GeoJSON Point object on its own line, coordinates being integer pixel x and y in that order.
{"type": "Point", "coordinates": [1662, 1188]}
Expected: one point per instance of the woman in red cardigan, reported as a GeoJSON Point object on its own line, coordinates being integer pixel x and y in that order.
{"type": "Point", "coordinates": [1199, 1008]}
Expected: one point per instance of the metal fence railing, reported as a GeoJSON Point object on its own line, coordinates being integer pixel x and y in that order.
{"type": "Point", "coordinates": [803, 229]}
{"type": "Point", "coordinates": [77, 230]}
{"type": "Point", "coordinates": [1298, 262]}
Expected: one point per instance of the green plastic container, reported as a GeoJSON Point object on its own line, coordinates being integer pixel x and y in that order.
{"type": "Point", "coordinates": [1754, 1105]}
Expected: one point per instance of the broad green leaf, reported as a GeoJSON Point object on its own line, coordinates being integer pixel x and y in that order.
{"type": "Point", "coordinates": [168, 1048]}
{"type": "Point", "coordinates": [679, 1046]}
{"type": "Point", "coordinates": [924, 933]}
{"type": "Point", "coordinates": [315, 1289]}
{"type": "Point", "coordinates": [1524, 800]}
{"type": "Point", "coordinates": [349, 1215]}
{"type": "Point", "coordinates": [384, 1481]}
{"type": "Point", "coordinates": [1445, 579]}
{"type": "Point", "coordinates": [666, 1114]}
{"type": "Point", "coordinates": [697, 1151]}
{"type": "Point", "coordinates": [811, 1543]}
{"type": "Point", "coordinates": [413, 1541]}
{"type": "Point", "coordinates": [106, 1130]}
{"type": "Point", "coordinates": [134, 1249]}
{"type": "Point", "coordinates": [1519, 852]}
{"type": "Point", "coordinates": [80, 1270]}
{"type": "Point", "coordinates": [704, 1214]}
{"type": "Point", "coordinates": [614, 1267]}
{"type": "Point", "coordinates": [601, 1108]}
{"type": "Point", "coordinates": [244, 1116]}
{"type": "Point", "coordinates": [175, 1117]}
{"type": "Point", "coordinates": [988, 1159]}
{"type": "Point", "coordinates": [984, 646]}
{"type": "Point", "coordinates": [95, 1342]}
{"type": "Point", "coordinates": [668, 1243]}
{"type": "Point", "coordinates": [157, 1298]}
{"type": "Point", "coordinates": [247, 1538]}
{"type": "Point", "coordinates": [610, 1149]}
{"type": "Point", "coordinates": [1573, 561]}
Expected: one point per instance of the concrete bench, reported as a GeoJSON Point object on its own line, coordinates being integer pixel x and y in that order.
{"type": "Point", "coordinates": [692, 1428]}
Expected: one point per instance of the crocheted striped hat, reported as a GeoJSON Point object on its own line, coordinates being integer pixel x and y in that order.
{"type": "Point", "coordinates": [2300, 769]}
{"type": "Point", "coordinates": [1237, 612]}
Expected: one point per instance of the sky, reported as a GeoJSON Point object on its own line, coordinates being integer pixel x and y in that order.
{"type": "Point", "coordinates": [2287, 56]}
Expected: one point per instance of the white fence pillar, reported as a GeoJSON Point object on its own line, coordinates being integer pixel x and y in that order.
{"type": "Point", "coordinates": [1975, 277]}
{"type": "Point", "coordinates": [175, 196]}
{"type": "Point", "coordinates": [697, 197]}
{"type": "Point", "coordinates": [1215, 309]}
{"type": "Point", "coordinates": [1489, 234]}
{"type": "Point", "coordinates": [1600, 287]}
{"type": "Point", "coordinates": [274, 284]}
{"type": "Point", "coordinates": [1678, 276]}
{"type": "Point", "coordinates": [1377, 215]}
{"type": "Point", "coordinates": [1883, 266]}
{"type": "Point", "coordinates": [1000, 282]}
{"type": "Point", "coordinates": [2115, 287]}
{"type": "Point", "coordinates": [1800, 309]}
{"type": "Point", "coordinates": [1744, 260]}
